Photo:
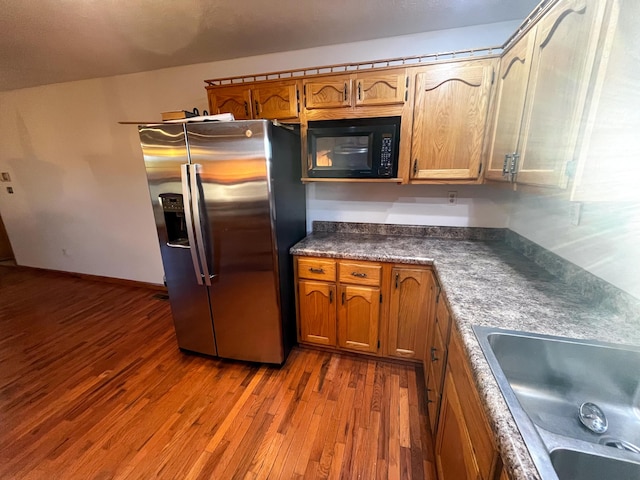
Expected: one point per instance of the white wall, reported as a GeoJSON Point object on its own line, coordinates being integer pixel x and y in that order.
{"type": "Point", "coordinates": [476, 206]}
{"type": "Point", "coordinates": [79, 179]}
{"type": "Point", "coordinates": [606, 242]}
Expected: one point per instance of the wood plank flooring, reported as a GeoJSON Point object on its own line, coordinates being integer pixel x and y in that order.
{"type": "Point", "coordinates": [93, 386]}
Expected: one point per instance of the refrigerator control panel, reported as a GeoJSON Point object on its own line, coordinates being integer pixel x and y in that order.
{"type": "Point", "coordinates": [171, 202]}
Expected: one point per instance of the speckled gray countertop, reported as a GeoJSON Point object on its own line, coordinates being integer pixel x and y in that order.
{"type": "Point", "coordinates": [488, 283]}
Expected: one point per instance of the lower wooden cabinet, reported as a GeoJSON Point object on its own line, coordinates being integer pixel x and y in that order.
{"type": "Point", "coordinates": [455, 459]}
{"type": "Point", "coordinates": [435, 358]}
{"type": "Point", "coordinates": [412, 292]}
{"type": "Point", "coordinates": [464, 443]}
{"type": "Point", "coordinates": [370, 307]}
{"type": "Point", "coordinates": [358, 318]}
{"type": "Point", "coordinates": [317, 307]}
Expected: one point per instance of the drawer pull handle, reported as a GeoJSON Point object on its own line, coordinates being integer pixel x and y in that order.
{"type": "Point", "coordinates": [433, 354]}
{"type": "Point", "coordinates": [316, 270]}
{"type": "Point", "coordinates": [359, 274]}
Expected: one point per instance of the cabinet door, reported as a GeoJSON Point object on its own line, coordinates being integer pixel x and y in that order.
{"type": "Point", "coordinates": [455, 459]}
{"type": "Point", "coordinates": [511, 90]}
{"type": "Point", "coordinates": [358, 318]}
{"type": "Point", "coordinates": [275, 101]}
{"type": "Point", "coordinates": [235, 100]}
{"type": "Point", "coordinates": [317, 312]}
{"type": "Point", "coordinates": [409, 315]}
{"type": "Point", "coordinates": [328, 92]}
{"type": "Point", "coordinates": [562, 62]}
{"type": "Point", "coordinates": [381, 88]}
{"type": "Point", "coordinates": [450, 117]}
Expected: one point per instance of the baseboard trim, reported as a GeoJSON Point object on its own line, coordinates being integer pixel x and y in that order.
{"type": "Point", "coordinates": [99, 278]}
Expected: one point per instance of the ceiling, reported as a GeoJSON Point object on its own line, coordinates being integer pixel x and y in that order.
{"type": "Point", "coordinates": [50, 41]}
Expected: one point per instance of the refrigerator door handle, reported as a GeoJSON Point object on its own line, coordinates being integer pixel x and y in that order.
{"type": "Point", "coordinates": [184, 174]}
{"type": "Point", "coordinates": [195, 171]}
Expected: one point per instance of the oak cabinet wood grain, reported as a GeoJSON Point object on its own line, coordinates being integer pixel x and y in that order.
{"type": "Point", "coordinates": [462, 420]}
{"type": "Point", "coordinates": [411, 301]}
{"type": "Point", "coordinates": [358, 318]}
{"type": "Point", "coordinates": [269, 100]}
{"type": "Point", "coordinates": [511, 91]}
{"type": "Point", "coordinates": [317, 312]}
{"type": "Point", "coordinates": [356, 89]}
{"type": "Point", "coordinates": [450, 117]}
{"type": "Point", "coordinates": [561, 66]}
{"type": "Point", "coordinates": [231, 99]}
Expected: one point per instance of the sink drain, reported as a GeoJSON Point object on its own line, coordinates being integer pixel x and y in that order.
{"type": "Point", "coordinates": [593, 418]}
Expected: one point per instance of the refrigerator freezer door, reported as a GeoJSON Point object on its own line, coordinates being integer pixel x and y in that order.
{"type": "Point", "coordinates": [165, 152]}
{"type": "Point", "coordinates": [234, 186]}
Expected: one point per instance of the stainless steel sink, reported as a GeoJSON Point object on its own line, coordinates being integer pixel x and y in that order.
{"type": "Point", "coordinates": [574, 465]}
{"type": "Point", "coordinates": [546, 379]}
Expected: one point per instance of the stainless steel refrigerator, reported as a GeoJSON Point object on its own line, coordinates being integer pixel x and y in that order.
{"type": "Point", "coordinates": [228, 204]}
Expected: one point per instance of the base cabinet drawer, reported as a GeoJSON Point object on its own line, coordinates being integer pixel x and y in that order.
{"type": "Point", "coordinates": [317, 269]}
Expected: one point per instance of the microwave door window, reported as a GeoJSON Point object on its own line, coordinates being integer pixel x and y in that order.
{"type": "Point", "coordinates": [343, 153]}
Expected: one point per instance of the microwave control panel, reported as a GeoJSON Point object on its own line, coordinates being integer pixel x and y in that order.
{"type": "Point", "coordinates": [386, 154]}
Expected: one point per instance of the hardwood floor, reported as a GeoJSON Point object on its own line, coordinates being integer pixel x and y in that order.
{"type": "Point", "coordinates": [93, 386]}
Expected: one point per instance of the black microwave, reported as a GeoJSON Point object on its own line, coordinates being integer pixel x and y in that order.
{"type": "Point", "coordinates": [353, 148]}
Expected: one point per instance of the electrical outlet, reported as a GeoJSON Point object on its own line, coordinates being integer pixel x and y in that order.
{"type": "Point", "coordinates": [9, 189]}
{"type": "Point", "coordinates": [452, 197]}
{"type": "Point", "coordinates": [5, 177]}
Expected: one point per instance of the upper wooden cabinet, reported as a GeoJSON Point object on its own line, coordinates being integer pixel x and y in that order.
{"type": "Point", "coordinates": [609, 148]}
{"type": "Point", "coordinates": [328, 92]}
{"type": "Point", "coordinates": [277, 100]}
{"type": "Point", "coordinates": [359, 89]}
{"type": "Point", "coordinates": [410, 311]}
{"type": "Point", "coordinates": [450, 116]}
{"type": "Point", "coordinates": [562, 62]}
{"type": "Point", "coordinates": [269, 100]}
{"type": "Point", "coordinates": [234, 99]}
{"type": "Point", "coordinates": [380, 88]}
{"type": "Point", "coordinates": [511, 90]}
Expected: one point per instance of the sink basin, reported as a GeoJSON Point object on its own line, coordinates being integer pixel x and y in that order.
{"type": "Point", "coordinates": [546, 379]}
{"type": "Point", "coordinates": [572, 465]}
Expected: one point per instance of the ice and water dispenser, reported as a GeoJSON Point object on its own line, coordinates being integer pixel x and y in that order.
{"type": "Point", "coordinates": [174, 219]}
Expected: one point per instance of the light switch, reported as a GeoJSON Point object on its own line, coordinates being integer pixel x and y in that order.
{"type": "Point", "coordinates": [6, 177]}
